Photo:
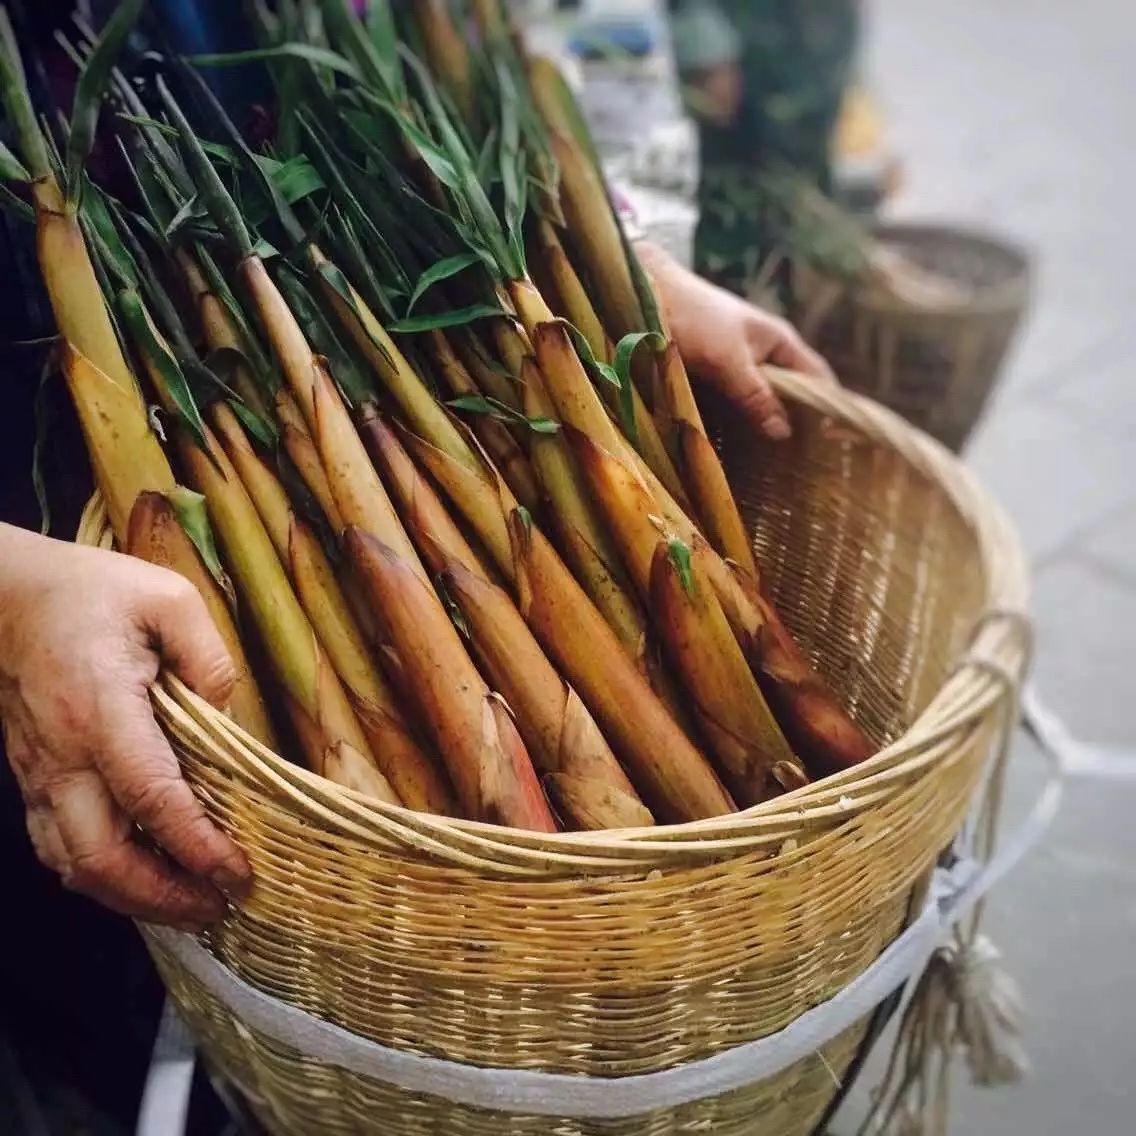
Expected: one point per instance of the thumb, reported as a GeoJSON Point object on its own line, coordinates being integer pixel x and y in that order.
{"type": "Point", "coordinates": [755, 398]}
{"type": "Point", "coordinates": [187, 640]}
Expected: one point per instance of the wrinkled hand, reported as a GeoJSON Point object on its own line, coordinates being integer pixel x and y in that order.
{"type": "Point", "coordinates": [83, 634]}
{"type": "Point", "coordinates": [725, 341]}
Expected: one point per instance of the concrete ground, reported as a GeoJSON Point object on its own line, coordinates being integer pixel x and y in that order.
{"type": "Point", "coordinates": [1015, 115]}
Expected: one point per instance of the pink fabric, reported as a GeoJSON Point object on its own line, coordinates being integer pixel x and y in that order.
{"type": "Point", "coordinates": [625, 207]}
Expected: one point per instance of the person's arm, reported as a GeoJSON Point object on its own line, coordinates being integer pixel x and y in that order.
{"type": "Point", "coordinates": [724, 340]}
{"type": "Point", "coordinates": [83, 634]}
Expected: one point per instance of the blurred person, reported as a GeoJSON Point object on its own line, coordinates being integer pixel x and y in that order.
{"type": "Point", "coordinates": [96, 821]}
{"type": "Point", "coordinates": [765, 80]}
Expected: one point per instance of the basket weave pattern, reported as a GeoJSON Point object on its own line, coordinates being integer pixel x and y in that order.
{"type": "Point", "coordinates": [616, 953]}
{"type": "Point", "coordinates": [937, 368]}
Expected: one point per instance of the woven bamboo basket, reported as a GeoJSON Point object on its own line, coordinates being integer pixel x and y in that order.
{"type": "Point", "coordinates": [935, 366]}
{"type": "Point", "coordinates": [608, 954]}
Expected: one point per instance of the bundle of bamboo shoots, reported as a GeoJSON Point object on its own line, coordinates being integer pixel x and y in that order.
{"type": "Point", "coordinates": [472, 521]}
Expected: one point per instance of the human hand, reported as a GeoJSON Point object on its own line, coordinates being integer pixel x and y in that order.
{"type": "Point", "coordinates": [724, 341]}
{"type": "Point", "coordinates": [83, 634]}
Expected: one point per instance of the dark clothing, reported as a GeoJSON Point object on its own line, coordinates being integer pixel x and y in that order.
{"type": "Point", "coordinates": [79, 1000]}
{"type": "Point", "coordinates": [796, 59]}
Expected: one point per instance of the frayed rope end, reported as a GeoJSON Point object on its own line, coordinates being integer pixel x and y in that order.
{"type": "Point", "coordinates": [964, 1003]}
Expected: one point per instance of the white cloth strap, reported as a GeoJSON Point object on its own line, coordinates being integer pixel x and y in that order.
{"type": "Point", "coordinates": [953, 893]}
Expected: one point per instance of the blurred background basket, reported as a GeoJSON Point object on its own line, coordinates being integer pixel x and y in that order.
{"type": "Point", "coordinates": [607, 954]}
{"type": "Point", "coordinates": [935, 366]}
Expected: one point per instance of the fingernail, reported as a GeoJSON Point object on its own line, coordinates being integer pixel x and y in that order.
{"type": "Point", "coordinates": [233, 884]}
{"type": "Point", "coordinates": [777, 428]}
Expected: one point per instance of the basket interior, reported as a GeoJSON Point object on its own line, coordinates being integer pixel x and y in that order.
{"type": "Point", "coordinates": [871, 564]}
{"type": "Point", "coordinates": [966, 258]}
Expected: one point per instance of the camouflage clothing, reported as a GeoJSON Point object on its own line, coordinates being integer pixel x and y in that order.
{"type": "Point", "coordinates": [795, 59]}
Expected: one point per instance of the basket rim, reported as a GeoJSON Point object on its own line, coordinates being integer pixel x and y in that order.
{"type": "Point", "coordinates": [980, 681]}
{"type": "Point", "coordinates": [1010, 298]}
{"type": "Point", "coordinates": [1009, 295]}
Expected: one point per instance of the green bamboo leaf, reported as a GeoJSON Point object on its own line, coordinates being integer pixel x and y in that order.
{"type": "Point", "coordinates": [337, 232]}
{"type": "Point", "coordinates": [289, 97]}
{"type": "Point", "coordinates": [295, 178]}
{"type": "Point", "coordinates": [384, 37]}
{"type": "Point", "coordinates": [455, 317]}
{"type": "Point", "coordinates": [375, 130]}
{"type": "Point", "coordinates": [11, 168]}
{"type": "Point", "coordinates": [17, 101]}
{"type": "Point", "coordinates": [204, 379]}
{"type": "Point", "coordinates": [261, 429]}
{"type": "Point", "coordinates": [350, 217]}
{"type": "Point", "coordinates": [108, 290]}
{"type": "Point", "coordinates": [213, 149]}
{"type": "Point", "coordinates": [279, 208]}
{"type": "Point", "coordinates": [487, 166]}
{"type": "Point", "coordinates": [481, 404]}
{"type": "Point", "coordinates": [157, 201]}
{"type": "Point", "coordinates": [474, 403]}
{"type": "Point", "coordinates": [193, 518]}
{"type": "Point", "coordinates": [222, 208]}
{"type": "Point", "coordinates": [89, 91]}
{"type": "Point", "coordinates": [503, 251]}
{"type": "Point", "coordinates": [152, 135]}
{"type": "Point", "coordinates": [514, 181]}
{"type": "Point", "coordinates": [137, 323]}
{"type": "Point", "coordinates": [627, 346]}
{"type": "Point", "coordinates": [292, 182]}
{"type": "Point", "coordinates": [310, 53]}
{"type": "Point", "coordinates": [191, 210]}
{"type": "Point", "coordinates": [99, 225]}
{"type": "Point", "coordinates": [379, 68]}
{"type": "Point", "coordinates": [266, 250]}
{"type": "Point", "coordinates": [624, 352]}
{"type": "Point", "coordinates": [448, 602]}
{"type": "Point", "coordinates": [222, 363]}
{"type": "Point", "coordinates": [323, 337]}
{"type": "Point", "coordinates": [342, 288]}
{"type": "Point", "coordinates": [679, 555]}
{"type": "Point", "coordinates": [436, 233]}
{"type": "Point", "coordinates": [584, 350]}
{"type": "Point", "coordinates": [377, 254]}
{"type": "Point", "coordinates": [436, 157]}
{"type": "Point", "coordinates": [253, 352]}
{"type": "Point", "coordinates": [436, 273]}
{"type": "Point", "coordinates": [644, 289]}
{"type": "Point", "coordinates": [618, 376]}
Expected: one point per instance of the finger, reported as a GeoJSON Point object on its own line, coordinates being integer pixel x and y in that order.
{"type": "Point", "coordinates": [187, 640]}
{"type": "Point", "coordinates": [793, 353]}
{"type": "Point", "coordinates": [20, 757]}
{"type": "Point", "coordinates": [48, 844]}
{"type": "Point", "coordinates": [105, 863]}
{"type": "Point", "coordinates": [755, 398]}
{"type": "Point", "coordinates": [143, 776]}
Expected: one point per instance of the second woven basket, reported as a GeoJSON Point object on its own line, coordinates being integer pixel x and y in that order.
{"type": "Point", "coordinates": [935, 366]}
